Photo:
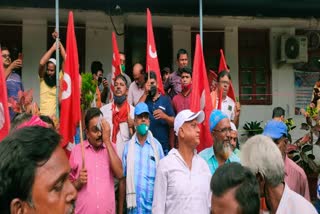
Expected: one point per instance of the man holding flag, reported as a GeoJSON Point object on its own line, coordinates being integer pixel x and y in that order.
{"type": "Point", "coordinates": [226, 98]}
{"type": "Point", "coordinates": [225, 103]}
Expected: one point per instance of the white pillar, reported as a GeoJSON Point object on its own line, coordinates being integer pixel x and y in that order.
{"type": "Point", "coordinates": [231, 54]}
{"type": "Point", "coordinates": [99, 44]}
{"type": "Point", "coordinates": [181, 38]}
{"type": "Point", "coordinates": [34, 45]}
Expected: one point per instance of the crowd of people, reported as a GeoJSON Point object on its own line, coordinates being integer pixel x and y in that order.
{"type": "Point", "coordinates": [139, 154]}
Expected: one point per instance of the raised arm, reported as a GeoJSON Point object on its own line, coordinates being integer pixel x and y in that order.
{"type": "Point", "coordinates": [45, 58]}
{"type": "Point", "coordinates": [115, 161]}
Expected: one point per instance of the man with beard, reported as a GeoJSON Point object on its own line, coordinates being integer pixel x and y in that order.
{"type": "Point", "coordinates": [183, 178]}
{"type": "Point", "coordinates": [47, 75]}
{"type": "Point", "coordinates": [13, 80]}
{"type": "Point", "coordinates": [162, 114]}
{"type": "Point", "coordinates": [221, 152]}
{"type": "Point", "coordinates": [182, 100]}
{"type": "Point", "coordinates": [34, 173]}
{"type": "Point", "coordinates": [265, 161]}
{"type": "Point", "coordinates": [136, 89]}
{"type": "Point", "coordinates": [93, 177]}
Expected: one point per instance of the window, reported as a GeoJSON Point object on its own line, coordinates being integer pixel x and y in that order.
{"type": "Point", "coordinates": [136, 42]}
{"type": "Point", "coordinates": [213, 42]}
{"type": "Point", "coordinates": [254, 67]}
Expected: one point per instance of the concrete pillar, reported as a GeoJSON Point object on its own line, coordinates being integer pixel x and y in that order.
{"type": "Point", "coordinates": [231, 54]}
{"type": "Point", "coordinates": [34, 45]}
{"type": "Point", "coordinates": [181, 38]}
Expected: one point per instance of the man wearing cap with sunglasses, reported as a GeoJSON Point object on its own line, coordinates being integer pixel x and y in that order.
{"type": "Point", "coordinates": [295, 177]}
{"type": "Point", "coordinates": [221, 152]}
{"type": "Point", "coordinates": [183, 177]}
{"type": "Point", "coordinates": [48, 82]}
{"type": "Point", "coordinates": [140, 158]}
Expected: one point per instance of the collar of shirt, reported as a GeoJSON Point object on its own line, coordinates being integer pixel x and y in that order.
{"type": "Point", "coordinates": [146, 141]}
{"type": "Point", "coordinates": [178, 155]}
{"type": "Point", "coordinates": [88, 145]}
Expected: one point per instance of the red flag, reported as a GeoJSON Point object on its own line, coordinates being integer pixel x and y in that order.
{"type": "Point", "coordinates": [152, 57]}
{"type": "Point", "coordinates": [200, 95]}
{"type": "Point", "coordinates": [222, 67]}
{"type": "Point", "coordinates": [70, 98]}
{"type": "Point", "coordinates": [4, 110]}
{"type": "Point", "coordinates": [115, 63]}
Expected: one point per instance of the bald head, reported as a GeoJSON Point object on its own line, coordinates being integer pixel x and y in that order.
{"type": "Point", "coordinates": [137, 68]}
{"type": "Point", "coordinates": [138, 74]}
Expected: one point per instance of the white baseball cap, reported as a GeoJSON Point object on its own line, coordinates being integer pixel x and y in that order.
{"type": "Point", "coordinates": [52, 60]}
{"type": "Point", "coordinates": [186, 116]}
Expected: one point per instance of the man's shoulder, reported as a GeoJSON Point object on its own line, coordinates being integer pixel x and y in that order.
{"type": "Point", "coordinates": [206, 153]}
{"type": "Point", "coordinates": [295, 167]}
{"type": "Point", "coordinates": [234, 158]}
{"type": "Point", "coordinates": [106, 107]}
{"type": "Point", "coordinates": [229, 100]}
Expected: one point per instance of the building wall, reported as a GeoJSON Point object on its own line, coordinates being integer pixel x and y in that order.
{"type": "Point", "coordinates": [98, 45]}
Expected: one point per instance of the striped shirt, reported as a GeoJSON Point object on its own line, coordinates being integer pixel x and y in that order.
{"type": "Point", "coordinates": [144, 173]}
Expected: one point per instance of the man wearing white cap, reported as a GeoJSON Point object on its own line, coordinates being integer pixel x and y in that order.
{"type": "Point", "coordinates": [183, 177]}
{"type": "Point", "coordinates": [47, 75]}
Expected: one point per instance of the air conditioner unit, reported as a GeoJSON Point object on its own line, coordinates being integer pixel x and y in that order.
{"type": "Point", "coordinates": [293, 49]}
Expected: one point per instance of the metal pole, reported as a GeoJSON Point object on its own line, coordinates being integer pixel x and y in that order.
{"type": "Point", "coordinates": [57, 60]}
{"type": "Point", "coordinates": [201, 22]}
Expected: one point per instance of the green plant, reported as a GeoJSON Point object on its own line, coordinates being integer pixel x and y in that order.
{"type": "Point", "coordinates": [290, 125]}
{"type": "Point", "coordinates": [312, 112]}
{"type": "Point", "coordinates": [252, 128]}
{"type": "Point", "coordinates": [88, 90]}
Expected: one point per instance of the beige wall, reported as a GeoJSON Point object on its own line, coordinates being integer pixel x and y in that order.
{"type": "Point", "coordinates": [98, 45]}
{"type": "Point", "coordinates": [34, 44]}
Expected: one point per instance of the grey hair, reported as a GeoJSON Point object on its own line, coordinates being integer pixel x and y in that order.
{"type": "Point", "coordinates": [261, 155]}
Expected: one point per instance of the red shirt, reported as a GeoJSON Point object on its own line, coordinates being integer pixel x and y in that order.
{"type": "Point", "coordinates": [180, 102]}
{"type": "Point", "coordinates": [296, 178]}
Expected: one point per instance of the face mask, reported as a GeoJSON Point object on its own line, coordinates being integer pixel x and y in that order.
{"type": "Point", "coordinates": [153, 90]}
{"type": "Point", "coordinates": [119, 99]}
{"type": "Point", "coordinates": [123, 68]}
{"type": "Point", "coordinates": [142, 129]}
{"type": "Point", "coordinates": [186, 87]}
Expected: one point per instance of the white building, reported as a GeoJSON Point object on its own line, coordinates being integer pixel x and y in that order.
{"type": "Point", "coordinates": [243, 38]}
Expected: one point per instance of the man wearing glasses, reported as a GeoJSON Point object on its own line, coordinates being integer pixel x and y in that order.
{"type": "Point", "coordinates": [13, 80]}
{"type": "Point", "coordinates": [221, 152]}
{"type": "Point", "coordinates": [295, 177]}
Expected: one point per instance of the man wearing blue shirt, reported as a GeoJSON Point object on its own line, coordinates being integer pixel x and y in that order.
{"type": "Point", "coordinates": [161, 111]}
{"type": "Point", "coordinates": [221, 151]}
{"type": "Point", "coordinates": [140, 158]}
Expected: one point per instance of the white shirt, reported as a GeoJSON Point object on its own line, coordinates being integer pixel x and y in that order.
{"type": "Point", "coordinates": [134, 94]}
{"type": "Point", "coordinates": [181, 190]}
{"type": "Point", "coordinates": [293, 203]}
{"type": "Point", "coordinates": [124, 133]}
{"type": "Point", "coordinates": [227, 107]}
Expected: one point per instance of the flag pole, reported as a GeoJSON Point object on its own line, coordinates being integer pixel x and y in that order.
{"type": "Point", "coordinates": [57, 59]}
{"type": "Point", "coordinates": [82, 146]}
{"type": "Point", "coordinates": [201, 22]}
